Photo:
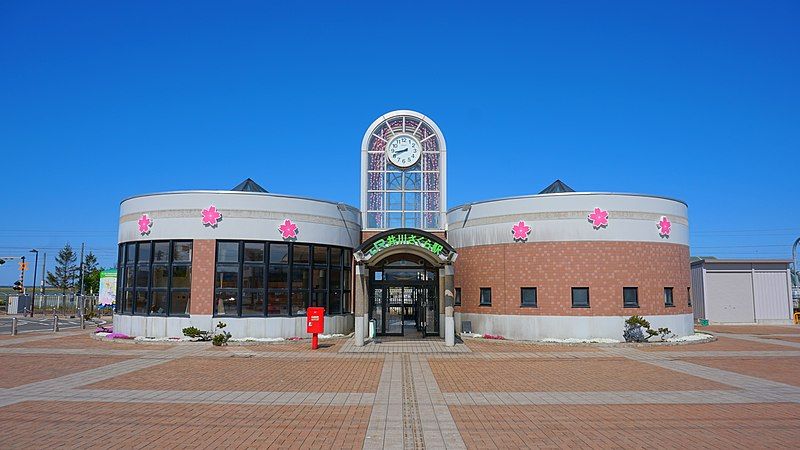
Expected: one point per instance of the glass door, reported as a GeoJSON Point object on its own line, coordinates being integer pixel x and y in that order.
{"type": "Point", "coordinates": [427, 311]}
{"type": "Point", "coordinates": [395, 308]}
{"type": "Point", "coordinates": [431, 311]}
{"type": "Point", "coordinates": [377, 303]}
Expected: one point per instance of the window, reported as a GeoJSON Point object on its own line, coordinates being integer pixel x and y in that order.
{"type": "Point", "coordinates": [668, 297]}
{"type": "Point", "coordinates": [486, 296]}
{"type": "Point", "coordinates": [689, 296]}
{"type": "Point", "coordinates": [278, 280]}
{"type": "Point", "coordinates": [580, 297]}
{"type": "Point", "coordinates": [253, 279]}
{"type": "Point", "coordinates": [630, 297]}
{"type": "Point", "coordinates": [528, 297]}
{"type": "Point", "coordinates": [257, 279]}
{"type": "Point", "coordinates": [226, 285]}
{"type": "Point", "coordinates": [409, 196]}
{"type": "Point", "coordinates": [155, 278]}
{"type": "Point", "coordinates": [457, 301]}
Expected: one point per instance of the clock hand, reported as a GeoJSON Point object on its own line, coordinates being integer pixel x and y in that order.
{"type": "Point", "coordinates": [401, 151]}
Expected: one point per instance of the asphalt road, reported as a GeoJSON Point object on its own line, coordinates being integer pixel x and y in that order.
{"type": "Point", "coordinates": [28, 325]}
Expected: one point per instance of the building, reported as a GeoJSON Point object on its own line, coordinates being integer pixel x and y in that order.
{"type": "Point", "coordinates": [742, 290]}
{"type": "Point", "coordinates": [557, 264]}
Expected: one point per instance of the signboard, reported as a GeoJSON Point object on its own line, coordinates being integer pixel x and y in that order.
{"type": "Point", "coordinates": [394, 240]}
{"type": "Point", "coordinates": [108, 288]}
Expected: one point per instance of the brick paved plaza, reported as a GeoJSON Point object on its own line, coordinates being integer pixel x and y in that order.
{"type": "Point", "coordinates": [70, 390]}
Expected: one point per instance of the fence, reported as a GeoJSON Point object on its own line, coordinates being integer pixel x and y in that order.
{"type": "Point", "coordinates": [62, 304]}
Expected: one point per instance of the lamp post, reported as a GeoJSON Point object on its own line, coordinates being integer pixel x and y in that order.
{"type": "Point", "coordinates": [35, 267]}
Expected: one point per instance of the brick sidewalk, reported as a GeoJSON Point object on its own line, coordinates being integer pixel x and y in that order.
{"type": "Point", "coordinates": [739, 392]}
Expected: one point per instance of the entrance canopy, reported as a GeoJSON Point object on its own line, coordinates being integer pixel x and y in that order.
{"type": "Point", "coordinates": [405, 240]}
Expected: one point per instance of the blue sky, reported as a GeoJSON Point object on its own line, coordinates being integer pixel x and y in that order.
{"type": "Point", "coordinates": [693, 100]}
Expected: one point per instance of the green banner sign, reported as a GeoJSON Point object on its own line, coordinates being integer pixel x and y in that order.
{"type": "Point", "coordinates": [394, 240]}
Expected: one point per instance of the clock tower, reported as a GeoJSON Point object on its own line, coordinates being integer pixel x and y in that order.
{"type": "Point", "coordinates": [403, 178]}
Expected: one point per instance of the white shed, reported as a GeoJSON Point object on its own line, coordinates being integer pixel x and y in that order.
{"type": "Point", "coordinates": [742, 291]}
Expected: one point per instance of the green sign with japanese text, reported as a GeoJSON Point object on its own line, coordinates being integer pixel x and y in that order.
{"type": "Point", "coordinates": [394, 240]}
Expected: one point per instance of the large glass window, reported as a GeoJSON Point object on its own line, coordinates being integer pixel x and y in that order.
{"type": "Point", "coordinates": [154, 278]}
{"type": "Point", "coordinates": [404, 197]}
{"type": "Point", "coordinates": [281, 279]}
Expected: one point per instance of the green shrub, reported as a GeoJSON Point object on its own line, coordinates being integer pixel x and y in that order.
{"type": "Point", "coordinates": [637, 326]}
{"type": "Point", "coordinates": [197, 333]}
{"type": "Point", "coordinates": [221, 337]}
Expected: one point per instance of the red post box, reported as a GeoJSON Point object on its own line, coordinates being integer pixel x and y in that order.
{"type": "Point", "coordinates": [315, 323]}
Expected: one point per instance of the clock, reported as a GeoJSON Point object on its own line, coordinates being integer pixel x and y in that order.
{"type": "Point", "coordinates": [403, 150]}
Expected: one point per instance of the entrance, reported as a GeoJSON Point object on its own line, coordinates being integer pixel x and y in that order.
{"type": "Point", "coordinates": [404, 297]}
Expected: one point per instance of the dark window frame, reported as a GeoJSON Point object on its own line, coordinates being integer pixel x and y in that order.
{"type": "Point", "coordinates": [625, 303]}
{"type": "Point", "coordinates": [124, 291]}
{"type": "Point", "coordinates": [671, 302]}
{"type": "Point", "coordinates": [689, 296]}
{"type": "Point", "coordinates": [457, 299]}
{"type": "Point", "coordinates": [480, 298]}
{"type": "Point", "coordinates": [308, 294]}
{"type": "Point", "coordinates": [522, 303]}
{"type": "Point", "coordinates": [588, 297]}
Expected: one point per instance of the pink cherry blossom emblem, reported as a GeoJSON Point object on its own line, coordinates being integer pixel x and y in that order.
{"type": "Point", "coordinates": [145, 223]}
{"type": "Point", "coordinates": [288, 229]}
{"type": "Point", "coordinates": [521, 231]}
{"type": "Point", "coordinates": [664, 227]}
{"type": "Point", "coordinates": [211, 216]}
{"type": "Point", "coordinates": [599, 218]}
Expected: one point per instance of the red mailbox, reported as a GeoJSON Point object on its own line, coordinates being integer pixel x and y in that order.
{"type": "Point", "coordinates": [315, 323]}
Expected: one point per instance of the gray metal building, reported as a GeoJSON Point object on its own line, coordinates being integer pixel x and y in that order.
{"type": "Point", "coordinates": [742, 290]}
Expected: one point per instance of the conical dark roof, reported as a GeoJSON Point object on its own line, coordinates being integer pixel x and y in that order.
{"type": "Point", "coordinates": [556, 187]}
{"type": "Point", "coordinates": [249, 185]}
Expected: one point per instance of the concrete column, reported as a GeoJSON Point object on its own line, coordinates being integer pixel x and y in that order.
{"type": "Point", "coordinates": [361, 304]}
{"type": "Point", "coordinates": [449, 300]}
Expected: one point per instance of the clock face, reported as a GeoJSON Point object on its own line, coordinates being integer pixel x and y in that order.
{"type": "Point", "coordinates": [403, 150]}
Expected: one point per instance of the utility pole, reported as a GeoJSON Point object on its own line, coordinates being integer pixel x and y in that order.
{"type": "Point", "coordinates": [44, 276]}
{"type": "Point", "coordinates": [44, 272]}
{"type": "Point", "coordinates": [22, 268]}
{"type": "Point", "coordinates": [35, 267]}
{"type": "Point", "coordinates": [80, 288]}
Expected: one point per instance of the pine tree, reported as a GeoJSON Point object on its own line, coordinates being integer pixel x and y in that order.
{"type": "Point", "coordinates": [63, 277]}
{"type": "Point", "coordinates": [91, 274]}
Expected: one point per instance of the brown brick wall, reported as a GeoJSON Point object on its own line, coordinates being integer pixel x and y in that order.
{"type": "Point", "coordinates": [555, 267]}
{"type": "Point", "coordinates": [203, 261]}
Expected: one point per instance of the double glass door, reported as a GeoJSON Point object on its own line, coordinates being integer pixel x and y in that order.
{"type": "Point", "coordinates": [405, 310]}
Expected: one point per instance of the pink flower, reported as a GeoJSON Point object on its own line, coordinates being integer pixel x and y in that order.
{"type": "Point", "coordinates": [288, 229]}
{"type": "Point", "coordinates": [211, 216]}
{"type": "Point", "coordinates": [599, 218]}
{"type": "Point", "coordinates": [521, 231]}
{"type": "Point", "coordinates": [145, 223]}
{"type": "Point", "coordinates": [665, 226]}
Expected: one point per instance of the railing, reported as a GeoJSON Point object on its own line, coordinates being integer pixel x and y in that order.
{"type": "Point", "coordinates": [62, 304]}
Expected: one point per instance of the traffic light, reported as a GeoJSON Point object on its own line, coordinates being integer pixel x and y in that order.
{"type": "Point", "coordinates": [18, 286]}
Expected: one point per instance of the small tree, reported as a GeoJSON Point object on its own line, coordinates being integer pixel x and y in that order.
{"type": "Point", "coordinates": [63, 276]}
{"type": "Point", "coordinates": [91, 274]}
{"type": "Point", "coordinates": [637, 326]}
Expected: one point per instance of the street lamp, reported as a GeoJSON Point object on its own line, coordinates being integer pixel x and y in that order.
{"type": "Point", "coordinates": [35, 267]}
